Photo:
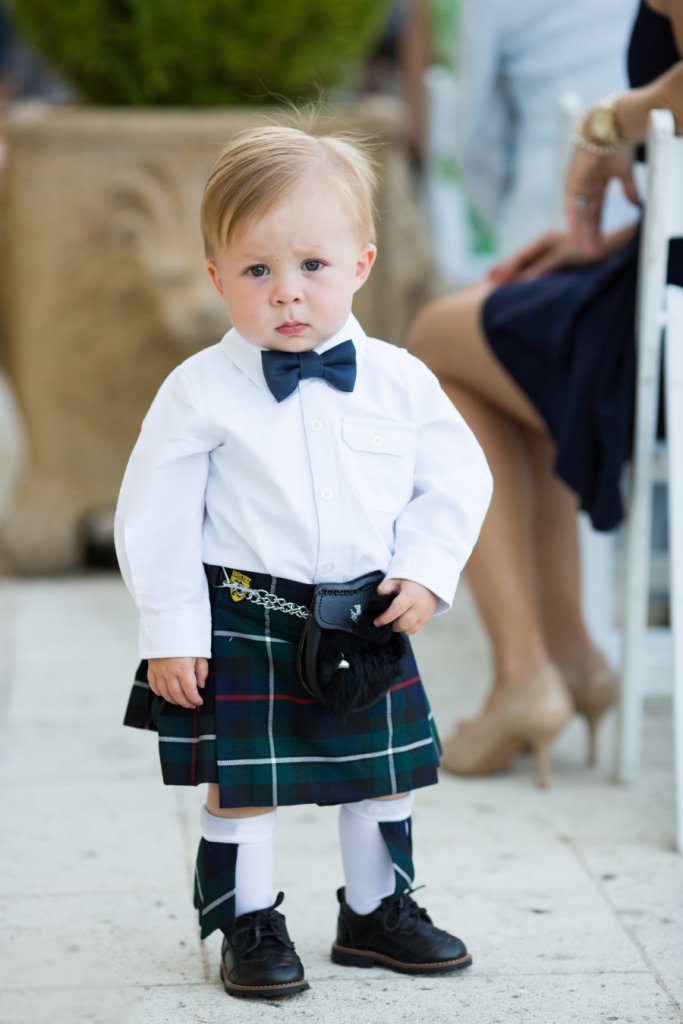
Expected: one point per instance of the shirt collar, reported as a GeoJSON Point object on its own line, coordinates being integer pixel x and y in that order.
{"type": "Point", "coordinates": [247, 356]}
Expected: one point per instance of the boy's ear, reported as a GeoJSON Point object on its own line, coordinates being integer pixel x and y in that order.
{"type": "Point", "coordinates": [364, 264]}
{"type": "Point", "coordinates": [212, 271]}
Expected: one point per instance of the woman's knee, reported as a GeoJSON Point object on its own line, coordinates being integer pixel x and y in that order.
{"type": "Point", "coordinates": [446, 326]}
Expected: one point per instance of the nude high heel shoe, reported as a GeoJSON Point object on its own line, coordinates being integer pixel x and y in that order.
{"type": "Point", "coordinates": [593, 687]}
{"type": "Point", "coordinates": [530, 715]}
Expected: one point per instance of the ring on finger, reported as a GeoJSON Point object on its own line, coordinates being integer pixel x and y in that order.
{"type": "Point", "coordinates": [580, 203]}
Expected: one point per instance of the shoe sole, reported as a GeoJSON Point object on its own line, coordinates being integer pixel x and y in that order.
{"type": "Point", "coordinates": [368, 958]}
{"type": "Point", "coordinates": [290, 988]}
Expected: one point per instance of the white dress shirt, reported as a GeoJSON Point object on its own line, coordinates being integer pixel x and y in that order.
{"type": "Point", "coordinates": [324, 486]}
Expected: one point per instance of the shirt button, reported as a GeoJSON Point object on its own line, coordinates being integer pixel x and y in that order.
{"type": "Point", "coordinates": [326, 493]}
{"type": "Point", "coordinates": [378, 440]}
{"type": "Point", "coordinates": [316, 425]}
{"type": "Point", "coordinates": [328, 567]}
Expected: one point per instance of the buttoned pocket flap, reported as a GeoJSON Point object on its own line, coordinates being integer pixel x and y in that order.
{"type": "Point", "coordinates": [383, 438]}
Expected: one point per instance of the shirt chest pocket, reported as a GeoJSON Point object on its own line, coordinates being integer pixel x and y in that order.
{"type": "Point", "coordinates": [380, 455]}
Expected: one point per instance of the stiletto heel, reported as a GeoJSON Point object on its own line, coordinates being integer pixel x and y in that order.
{"type": "Point", "coordinates": [543, 748]}
{"type": "Point", "coordinates": [592, 724]}
{"type": "Point", "coordinates": [530, 714]}
{"type": "Point", "coordinates": [593, 687]}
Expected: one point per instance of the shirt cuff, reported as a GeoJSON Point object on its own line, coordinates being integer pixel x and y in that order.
{"type": "Point", "coordinates": [175, 635]}
{"type": "Point", "coordinates": [432, 572]}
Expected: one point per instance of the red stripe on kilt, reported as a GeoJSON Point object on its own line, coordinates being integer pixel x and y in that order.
{"type": "Point", "coordinates": [406, 682]}
{"type": "Point", "coordinates": [300, 700]}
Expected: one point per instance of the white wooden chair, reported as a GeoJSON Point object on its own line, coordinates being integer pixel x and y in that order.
{"type": "Point", "coordinates": [659, 319]}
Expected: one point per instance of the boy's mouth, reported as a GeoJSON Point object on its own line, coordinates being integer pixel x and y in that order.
{"type": "Point", "coordinates": [291, 327]}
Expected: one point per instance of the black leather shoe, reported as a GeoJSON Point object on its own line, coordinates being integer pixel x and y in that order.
{"type": "Point", "coordinates": [258, 960]}
{"type": "Point", "coordinates": [398, 935]}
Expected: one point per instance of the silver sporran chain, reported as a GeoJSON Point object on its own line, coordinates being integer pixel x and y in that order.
{"type": "Point", "coordinates": [266, 600]}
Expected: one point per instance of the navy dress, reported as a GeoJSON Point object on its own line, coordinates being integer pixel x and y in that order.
{"type": "Point", "coordinates": [568, 338]}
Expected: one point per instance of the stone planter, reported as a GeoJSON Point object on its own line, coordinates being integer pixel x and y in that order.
{"type": "Point", "coordinates": [105, 291]}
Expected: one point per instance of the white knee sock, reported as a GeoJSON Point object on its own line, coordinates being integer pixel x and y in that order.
{"type": "Point", "coordinates": [368, 868]}
{"type": "Point", "coordinates": [255, 855]}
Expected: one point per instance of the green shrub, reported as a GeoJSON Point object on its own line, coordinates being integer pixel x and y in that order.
{"type": "Point", "coordinates": [201, 52]}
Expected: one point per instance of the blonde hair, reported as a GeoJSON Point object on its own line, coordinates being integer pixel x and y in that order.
{"type": "Point", "coordinates": [260, 166]}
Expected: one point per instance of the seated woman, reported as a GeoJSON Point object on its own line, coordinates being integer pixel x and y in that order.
{"type": "Point", "coordinates": [540, 360]}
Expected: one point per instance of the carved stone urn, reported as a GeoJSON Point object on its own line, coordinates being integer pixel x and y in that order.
{"type": "Point", "coordinates": [104, 291]}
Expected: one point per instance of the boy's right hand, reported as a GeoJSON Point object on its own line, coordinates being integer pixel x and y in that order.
{"type": "Point", "coordinates": [178, 680]}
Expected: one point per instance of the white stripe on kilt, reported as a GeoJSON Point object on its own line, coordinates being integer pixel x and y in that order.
{"type": "Point", "coordinates": [387, 752]}
{"type": "Point", "coordinates": [390, 740]}
{"type": "Point", "coordinates": [251, 636]}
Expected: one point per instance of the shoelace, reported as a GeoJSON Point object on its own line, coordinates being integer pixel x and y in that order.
{"type": "Point", "coordinates": [268, 923]}
{"type": "Point", "coordinates": [403, 914]}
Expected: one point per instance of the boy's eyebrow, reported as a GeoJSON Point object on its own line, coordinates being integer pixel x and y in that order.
{"type": "Point", "coordinates": [253, 255]}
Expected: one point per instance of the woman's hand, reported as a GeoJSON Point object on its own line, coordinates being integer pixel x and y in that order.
{"type": "Point", "coordinates": [554, 250]}
{"type": "Point", "coordinates": [587, 177]}
{"type": "Point", "coordinates": [178, 680]}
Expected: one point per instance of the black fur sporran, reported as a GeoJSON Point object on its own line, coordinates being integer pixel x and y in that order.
{"type": "Point", "coordinates": [344, 661]}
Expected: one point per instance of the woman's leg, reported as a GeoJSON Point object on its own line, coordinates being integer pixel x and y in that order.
{"type": "Point", "coordinates": [527, 704]}
{"type": "Point", "coordinates": [557, 557]}
{"type": "Point", "coordinates": [524, 571]}
{"type": "Point", "coordinates": [502, 570]}
{"type": "Point", "coordinates": [591, 681]}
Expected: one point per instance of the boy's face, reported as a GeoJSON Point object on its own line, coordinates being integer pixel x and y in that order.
{"type": "Point", "coordinates": [288, 277]}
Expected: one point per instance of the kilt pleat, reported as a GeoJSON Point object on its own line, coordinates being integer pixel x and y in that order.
{"type": "Point", "coordinates": [264, 739]}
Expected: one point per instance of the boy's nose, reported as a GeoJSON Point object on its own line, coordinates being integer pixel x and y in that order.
{"type": "Point", "coordinates": [285, 291]}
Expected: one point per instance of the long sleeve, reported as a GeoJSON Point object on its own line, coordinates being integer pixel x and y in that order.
{"type": "Point", "coordinates": [437, 529]}
{"type": "Point", "coordinates": [158, 527]}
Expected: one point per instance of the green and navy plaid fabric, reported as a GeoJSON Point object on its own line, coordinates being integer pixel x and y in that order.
{"type": "Point", "coordinates": [214, 886]}
{"type": "Point", "coordinates": [264, 739]}
{"type": "Point", "coordinates": [398, 836]}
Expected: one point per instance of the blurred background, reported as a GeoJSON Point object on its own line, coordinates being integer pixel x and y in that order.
{"type": "Point", "coordinates": [111, 115]}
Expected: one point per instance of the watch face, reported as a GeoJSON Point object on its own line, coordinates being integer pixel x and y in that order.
{"type": "Point", "coordinates": [602, 125]}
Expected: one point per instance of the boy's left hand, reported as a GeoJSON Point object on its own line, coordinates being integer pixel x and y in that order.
{"type": "Point", "coordinates": [413, 605]}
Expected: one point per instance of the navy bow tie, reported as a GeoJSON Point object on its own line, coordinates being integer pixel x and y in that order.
{"type": "Point", "coordinates": [284, 370]}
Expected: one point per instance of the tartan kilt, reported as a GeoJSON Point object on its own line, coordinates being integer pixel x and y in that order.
{"type": "Point", "coordinates": [263, 738]}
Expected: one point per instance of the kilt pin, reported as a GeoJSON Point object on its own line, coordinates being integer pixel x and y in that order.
{"type": "Point", "coordinates": [266, 742]}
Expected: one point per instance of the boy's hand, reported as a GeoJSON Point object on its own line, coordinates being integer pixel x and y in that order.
{"type": "Point", "coordinates": [178, 680]}
{"type": "Point", "coordinates": [413, 605]}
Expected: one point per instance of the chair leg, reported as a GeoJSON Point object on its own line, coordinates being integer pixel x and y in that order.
{"type": "Point", "coordinates": [638, 555]}
{"type": "Point", "coordinates": [629, 728]}
{"type": "Point", "coordinates": [673, 353]}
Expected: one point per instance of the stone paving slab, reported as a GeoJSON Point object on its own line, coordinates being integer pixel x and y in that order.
{"type": "Point", "coordinates": [85, 838]}
{"type": "Point", "coordinates": [359, 999]}
{"type": "Point", "coordinates": [68, 1006]}
{"type": "Point", "coordinates": [98, 940]}
{"type": "Point", "coordinates": [644, 886]}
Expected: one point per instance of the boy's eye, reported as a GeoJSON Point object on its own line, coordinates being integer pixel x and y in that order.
{"type": "Point", "coordinates": [258, 270]}
{"type": "Point", "coordinates": [313, 265]}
